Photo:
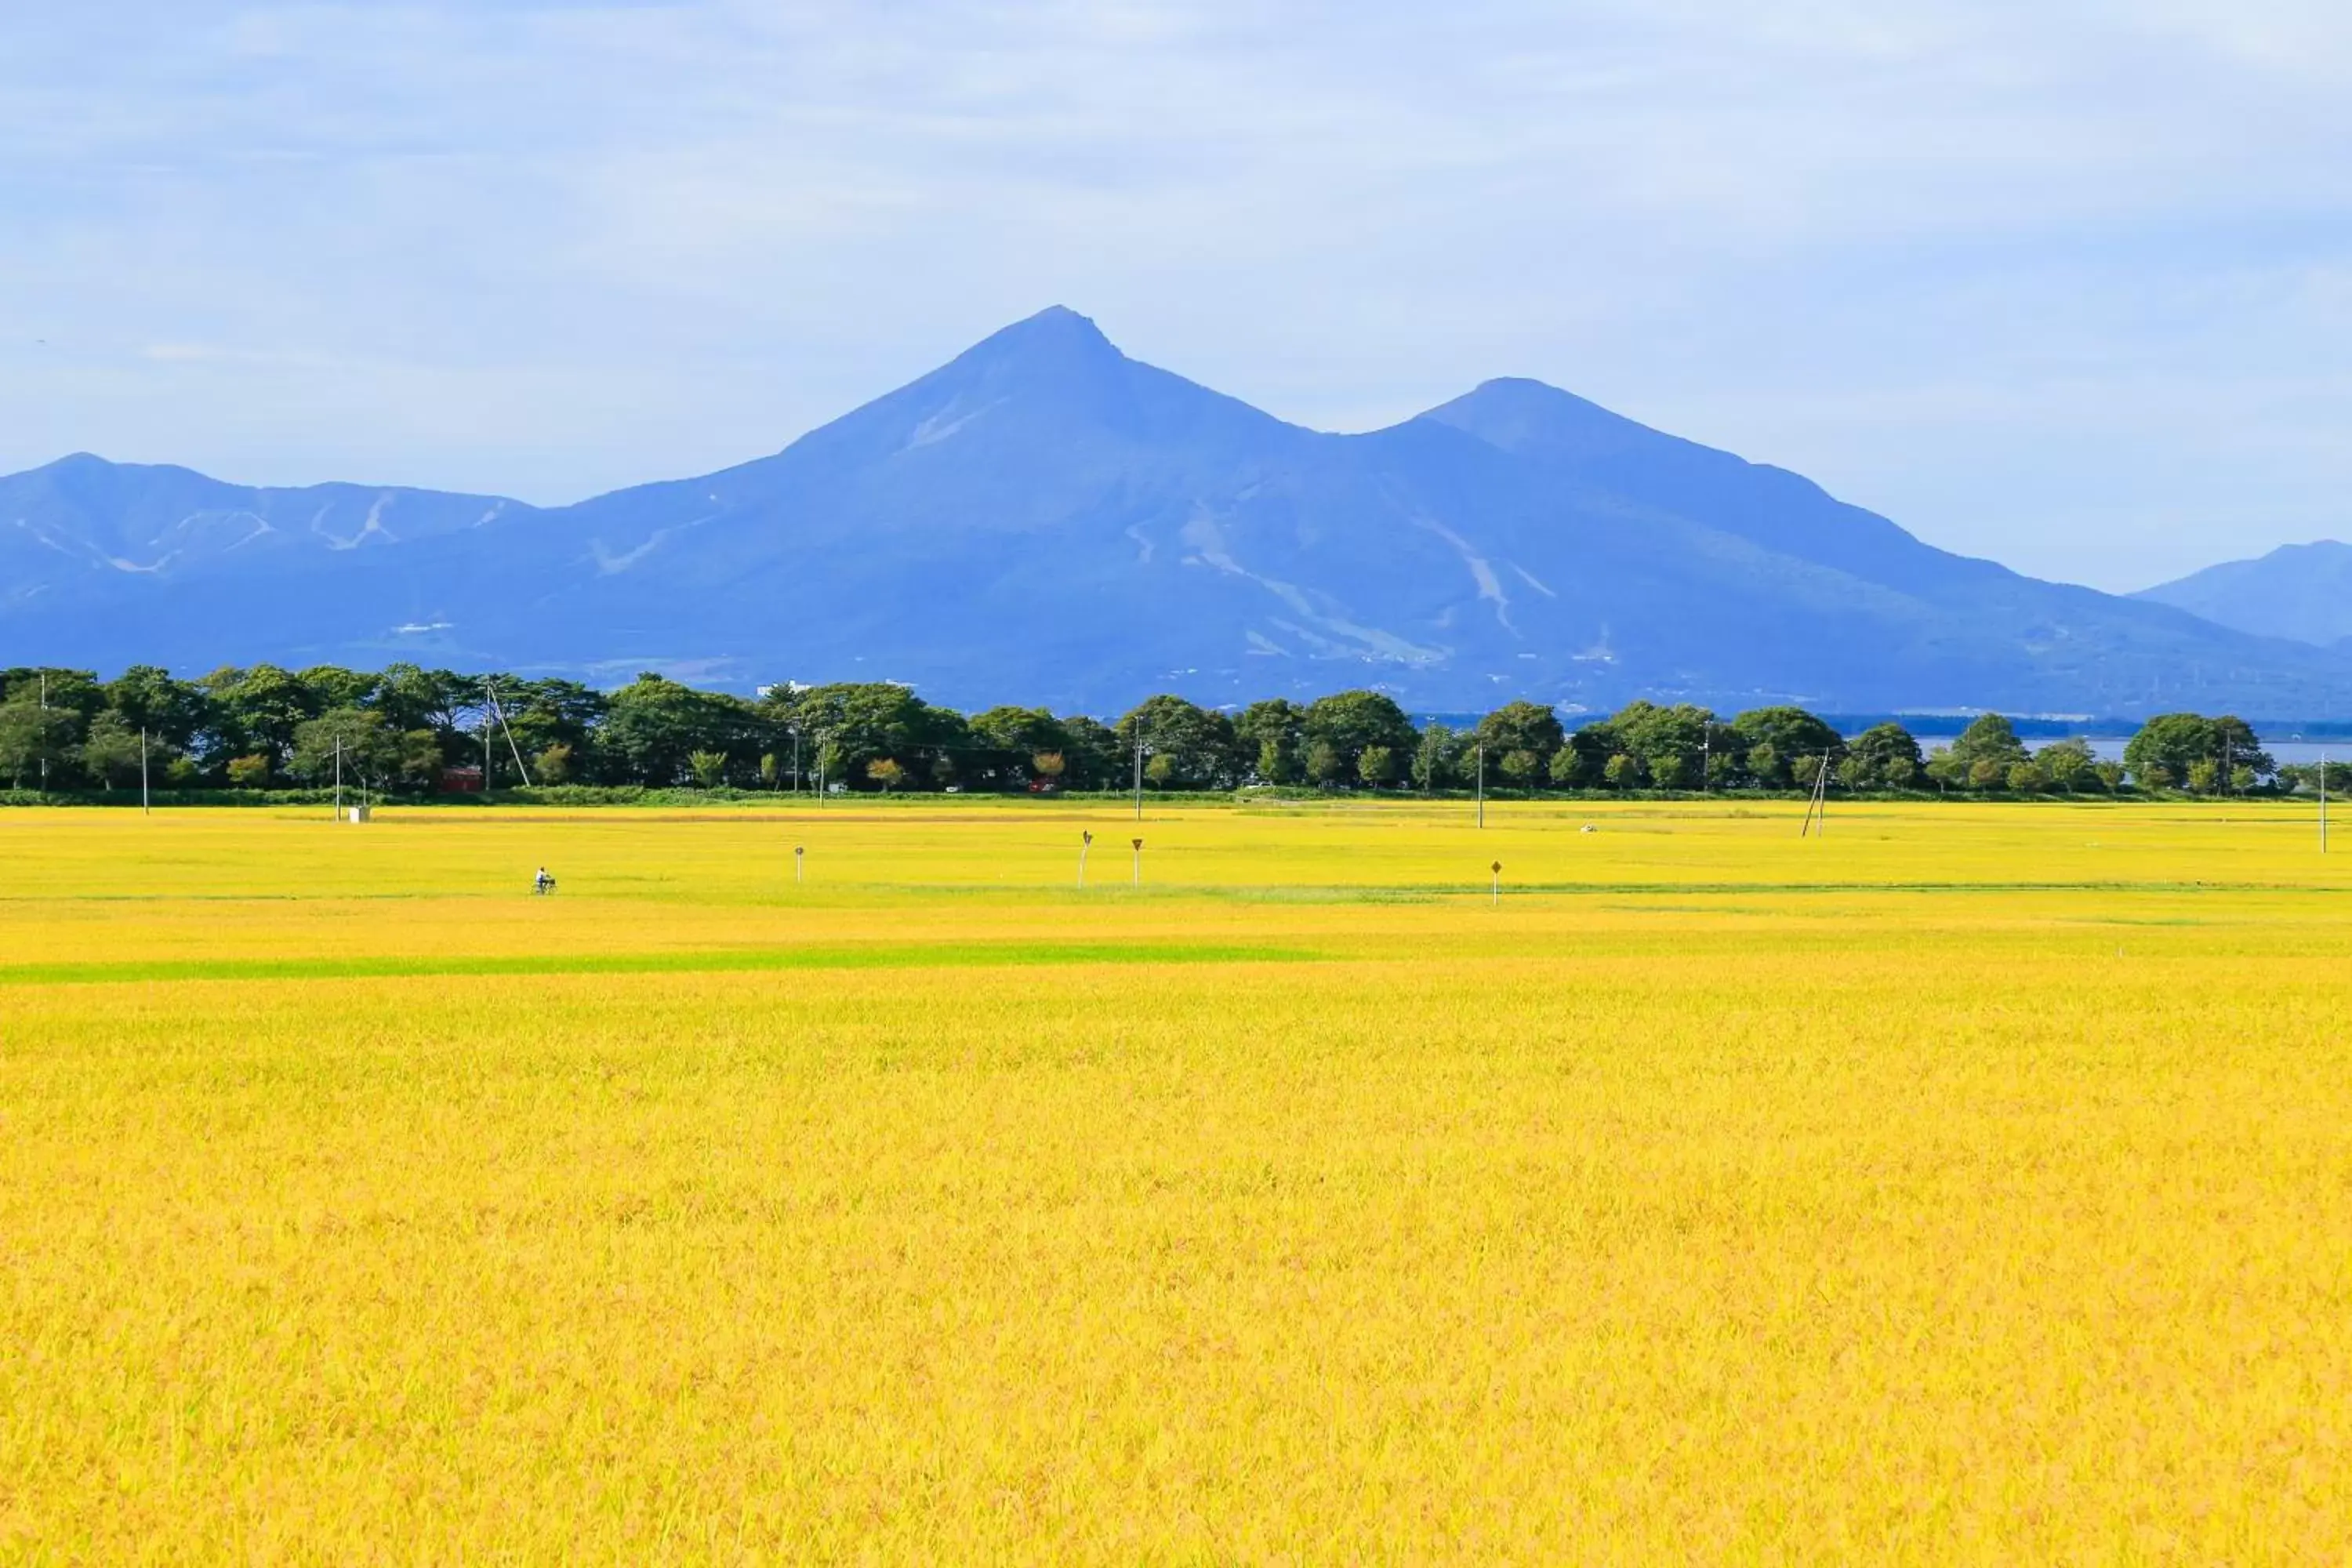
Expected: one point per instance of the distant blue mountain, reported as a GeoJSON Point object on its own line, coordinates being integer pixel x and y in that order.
{"type": "Point", "coordinates": [2299, 590]}
{"type": "Point", "coordinates": [1045, 519]}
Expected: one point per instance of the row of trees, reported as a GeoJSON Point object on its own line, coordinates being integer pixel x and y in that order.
{"type": "Point", "coordinates": [407, 729]}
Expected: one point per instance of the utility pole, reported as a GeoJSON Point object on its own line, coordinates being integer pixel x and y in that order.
{"type": "Point", "coordinates": [2323, 803]}
{"type": "Point", "coordinates": [1481, 783]}
{"type": "Point", "coordinates": [1138, 776]}
{"type": "Point", "coordinates": [1705, 755]}
{"type": "Point", "coordinates": [498, 710]}
{"type": "Point", "coordinates": [1817, 806]}
{"type": "Point", "coordinates": [796, 759]}
{"type": "Point", "coordinates": [146, 806]}
{"type": "Point", "coordinates": [339, 778]}
{"type": "Point", "coordinates": [44, 732]}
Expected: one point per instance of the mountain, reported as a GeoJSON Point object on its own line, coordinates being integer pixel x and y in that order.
{"type": "Point", "coordinates": [1044, 519]}
{"type": "Point", "coordinates": [105, 555]}
{"type": "Point", "coordinates": [2299, 590]}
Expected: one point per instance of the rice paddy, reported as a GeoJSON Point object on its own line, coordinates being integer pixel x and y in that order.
{"type": "Point", "coordinates": [1971, 1182]}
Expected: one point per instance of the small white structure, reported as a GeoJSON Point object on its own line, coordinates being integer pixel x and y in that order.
{"type": "Point", "coordinates": [357, 812]}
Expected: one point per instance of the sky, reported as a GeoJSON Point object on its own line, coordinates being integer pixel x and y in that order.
{"type": "Point", "coordinates": [2067, 283]}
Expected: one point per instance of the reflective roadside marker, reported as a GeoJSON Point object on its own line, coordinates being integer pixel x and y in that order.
{"type": "Point", "coordinates": [1497, 869]}
{"type": "Point", "coordinates": [1138, 862]}
{"type": "Point", "coordinates": [800, 863]}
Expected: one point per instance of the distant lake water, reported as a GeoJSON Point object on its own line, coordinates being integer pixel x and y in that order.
{"type": "Point", "coordinates": [2110, 748]}
{"type": "Point", "coordinates": [2035, 734]}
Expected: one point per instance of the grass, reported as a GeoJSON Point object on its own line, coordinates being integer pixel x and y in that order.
{"type": "Point", "coordinates": [1968, 1183]}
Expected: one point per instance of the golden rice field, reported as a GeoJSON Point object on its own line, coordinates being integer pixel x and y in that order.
{"type": "Point", "coordinates": [1969, 1184]}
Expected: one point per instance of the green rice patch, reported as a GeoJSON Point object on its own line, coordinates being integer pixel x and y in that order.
{"type": "Point", "coordinates": [725, 961]}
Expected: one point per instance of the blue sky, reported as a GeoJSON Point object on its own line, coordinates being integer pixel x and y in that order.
{"type": "Point", "coordinates": [2067, 283]}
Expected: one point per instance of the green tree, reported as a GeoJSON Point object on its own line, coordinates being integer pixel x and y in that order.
{"type": "Point", "coordinates": [1670, 742]}
{"type": "Point", "coordinates": [175, 713]}
{"type": "Point", "coordinates": [1989, 739]}
{"type": "Point", "coordinates": [655, 725]}
{"type": "Point", "coordinates": [552, 763]}
{"type": "Point", "coordinates": [251, 771]}
{"type": "Point", "coordinates": [2161, 754]}
{"type": "Point", "coordinates": [1199, 743]}
{"type": "Point", "coordinates": [1790, 733]}
{"type": "Point", "coordinates": [1325, 764]}
{"type": "Point", "coordinates": [1437, 758]}
{"type": "Point", "coordinates": [2205, 776]}
{"type": "Point", "coordinates": [853, 724]}
{"type": "Point", "coordinates": [1944, 770]}
{"type": "Point", "coordinates": [2169, 746]}
{"type": "Point", "coordinates": [1888, 754]}
{"type": "Point", "coordinates": [440, 700]}
{"type": "Point", "coordinates": [1722, 758]}
{"type": "Point", "coordinates": [34, 740]}
{"type": "Point", "coordinates": [112, 754]}
{"type": "Point", "coordinates": [1583, 760]}
{"type": "Point", "coordinates": [885, 771]}
{"type": "Point", "coordinates": [1377, 765]}
{"type": "Point", "coordinates": [2067, 765]}
{"type": "Point", "coordinates": [1523, 767]}
{"type": "Point", "coordinates": [1092, 757]}
{"type": "Point", "coordinates": [1272, 734]}
{"type": "Point", "coordinates": [1623, 770]}
{"type": "Point", "coordinates": [368, 749]}
{"type": "Point", "coordinates": [710, 768]}
{"type": "Point", "coordinates": [259, 709]}
{"type": "Point", "coordinates": [540, 714]}
{"type": "Point", "coordinates": [2024, 778]}
{"type": "Point", "coordinates": [1351, 723]}
{"type": "Point", "coordinates": [329, 685]}
{"type": "Point", "coordinates": [1519, 727]}
{"type": "Point", "coordinates": [421, 761]}
{"type": "Point", "coordinates": [2241, 748]}
{"type": "Point", "coordinates": [76, 691]}
{"type": "Point", "coordinates": [1007, 742]}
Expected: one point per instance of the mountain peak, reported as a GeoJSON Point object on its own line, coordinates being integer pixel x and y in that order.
{"type": "Point", "coordinates": [1055, 333]}
{"type": "Point", "coordinates": [2299, 590]}
{"type": "Point", "coordinates": [1522, 415]}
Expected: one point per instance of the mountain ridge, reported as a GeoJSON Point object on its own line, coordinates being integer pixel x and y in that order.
{"type": "Point", "coordinates": [1044, 519]}
{"type": "Point", "coordinates": [2298, 591]}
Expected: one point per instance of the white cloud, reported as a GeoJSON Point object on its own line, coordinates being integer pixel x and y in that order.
{"type": "Point", "coordinates": [2057, 282]}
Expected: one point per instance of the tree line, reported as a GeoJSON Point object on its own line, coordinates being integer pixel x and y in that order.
{"type": "Point", "coordinates": [409, 730]}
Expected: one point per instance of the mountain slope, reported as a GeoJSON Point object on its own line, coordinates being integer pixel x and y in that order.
{"type": "Point", "coordinates": [1045, 520]}
{"type": "Point", "coordinates": [2299, 590]}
